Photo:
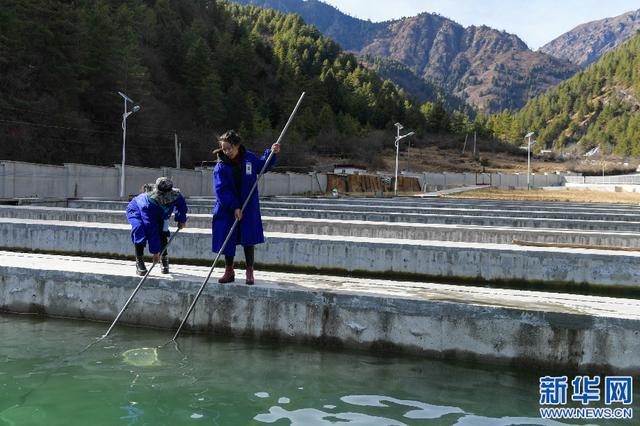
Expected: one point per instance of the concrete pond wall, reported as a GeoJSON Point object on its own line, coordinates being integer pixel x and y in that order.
{"type": "Point", "coordinates": [339, 314]}
{"type": "Point", "coordinates": [327, 306]}
{"type": "Point", "coordinates": [450, 259]}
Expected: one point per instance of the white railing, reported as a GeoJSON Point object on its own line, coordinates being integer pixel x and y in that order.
{"type": "Point", "coordinates": [605, 180]}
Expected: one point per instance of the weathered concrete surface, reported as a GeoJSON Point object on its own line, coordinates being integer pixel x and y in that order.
{"type": "Point", "coordinates": [443, 202]}
{"type": "Point", "coordinates": [387, 208]}
{"type": "Point", "coordinates": [369, 229]}
{"type": "Point", "coordinates": [589, 212]}
{"type": "Point", "coordinates": [513, 219]}
{"type": "Point", "coordinates": [433, 258]}
{"type": "Point", "coordinates": [527, 328]}
{"type": "Point", "coordinates": [537, 213]}
{"type": "Point", "coordinates": [459, 202]}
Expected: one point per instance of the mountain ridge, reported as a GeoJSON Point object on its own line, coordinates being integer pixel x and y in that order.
{"type": "Point", "coordinates": [477, 63]}
{"type": "Point", "coordinates": [588, 42]}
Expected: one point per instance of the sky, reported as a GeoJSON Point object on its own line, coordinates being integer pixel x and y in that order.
{"type": "Point", "coordinates": [537, 22]}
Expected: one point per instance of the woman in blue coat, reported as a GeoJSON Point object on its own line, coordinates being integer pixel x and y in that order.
{"type": "Point", "coordinates": [149, 214]}
{"type": "Point", "coordinates": [233, 178]}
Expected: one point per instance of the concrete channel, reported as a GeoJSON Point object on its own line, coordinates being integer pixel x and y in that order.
{"type": "Point", "coordinates": [451, 202]}
{"type": "Point", "coordinates": [548, 214]}
{"type": "Point", "coordinates": [453, 241]}
{"type": "Point", "coordinates": [368, 229]}
{"type": "Point", "coordinates": [509, 218]}
{"type": "Point", "coordinates": [545, 330]}
{"type": "Point", "coordinates": [451, 259]}
{"type": "Point", "coordinates": [392, 208]}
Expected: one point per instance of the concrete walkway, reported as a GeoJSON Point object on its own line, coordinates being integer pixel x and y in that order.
{"type": "Point", "coordinates": [470, 202]}
{"type": "Point", "coordinates": [534, 301]}
{"type": "Point", "coordinates": [451, 259]}
{"type": "Point", "coordinates": [535, 328]}
{"type": "Point", "coordinates": [487, 233]}
{"type": "Point", "coordinates": [392, 207]}
{"type": "Point", "coordinates": [513, 219]}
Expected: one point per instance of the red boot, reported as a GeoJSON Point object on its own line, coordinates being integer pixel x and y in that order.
{"type": "Point", "coordinates": [249, 279]}
{"type": "Point", "coordinates": [229, 276]}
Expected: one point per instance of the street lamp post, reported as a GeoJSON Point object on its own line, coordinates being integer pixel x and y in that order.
{"type": "Point", "coordinates": [528, 137]}
{"type": "Point", "coordinates": [125, 114]}
{"type": "Point", "coordinates": [397, 143]}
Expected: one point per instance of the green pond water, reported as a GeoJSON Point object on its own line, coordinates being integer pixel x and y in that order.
{"type": "Point", "coordinates": [44, 381]}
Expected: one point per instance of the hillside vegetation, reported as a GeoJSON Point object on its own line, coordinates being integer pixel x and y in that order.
{"type": "Point", "coordinates": [597, 107]}
{"type": "Point", "coordinates": [197, 68]}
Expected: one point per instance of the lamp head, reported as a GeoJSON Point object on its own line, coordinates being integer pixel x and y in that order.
{"type": "Point", "coordinates": [528, 135]}
{"type": "Point", "coordinates": [399, 126]}
{"type": "Point", "coordinates": [128, 99]}
{"type": "Point", "coordinates": [135, 108]}
{"type": "Point", "coordinates": [404, 136]}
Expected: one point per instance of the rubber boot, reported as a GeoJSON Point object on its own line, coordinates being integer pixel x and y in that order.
{"type": "Point", "coordinates": [249, 279]}
{"type": "Point", "coordinates": [141, 269]}
{"type": "Point", "coordinates": [165, 265]}
{"type": "Point", "coordinates": [229, 275]}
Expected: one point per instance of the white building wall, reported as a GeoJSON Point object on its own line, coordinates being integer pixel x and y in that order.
{"type": "Point", "coordinates": [18, 179]}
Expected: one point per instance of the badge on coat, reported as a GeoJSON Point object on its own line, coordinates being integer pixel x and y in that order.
{"type": "Point", "coordinates": [247, 168]}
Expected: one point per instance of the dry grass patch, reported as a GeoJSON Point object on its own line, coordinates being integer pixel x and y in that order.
{"type": "Point", "coordinates": [576, 196]}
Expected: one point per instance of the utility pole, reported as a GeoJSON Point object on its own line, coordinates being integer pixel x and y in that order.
{"type": "Point", "coordinates": [178, 147]}
{"type": "Point", "coordinates": [528, 137]}
{"type": "Point", "coordinates": [475, 152]}
{"type": "Point", "coordinates": [397, 143]}
{"type": "Point", "coordinates": [125, 114]}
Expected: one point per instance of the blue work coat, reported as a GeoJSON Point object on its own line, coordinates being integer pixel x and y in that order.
{"type": "Point", "coordinates": [147, 218]}
{"type": "Point", "coordinates": [229, 198]}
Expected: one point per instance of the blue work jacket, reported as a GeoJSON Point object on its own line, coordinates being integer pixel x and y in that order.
{"type": "Point", "coordinates": [147, 218]}
{"type": "Point", "coordinates": [229, 197]}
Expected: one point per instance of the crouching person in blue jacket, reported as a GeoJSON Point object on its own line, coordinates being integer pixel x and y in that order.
{"type": "Point", "coordinates": [233, 177]}
{"type": "Point", "coordinates": [149, 214]}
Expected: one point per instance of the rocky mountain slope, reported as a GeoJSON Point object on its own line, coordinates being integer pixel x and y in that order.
{"type": "Point", "coordinates": [490, 69]}
{"type": "Point", "coordinates": [586, 43]}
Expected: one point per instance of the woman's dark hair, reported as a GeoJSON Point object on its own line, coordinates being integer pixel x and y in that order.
{"type": "Point", "coordinates": [230, 136]}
